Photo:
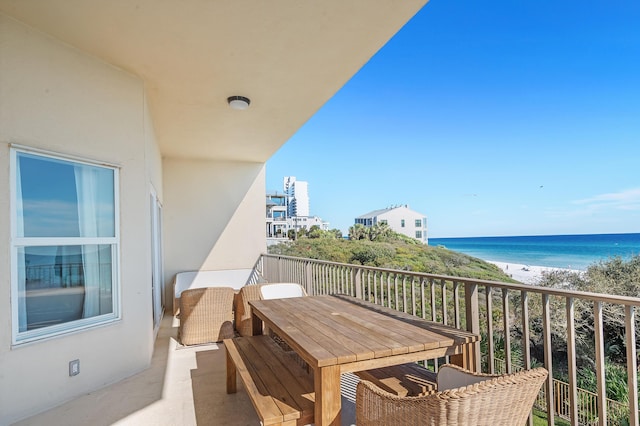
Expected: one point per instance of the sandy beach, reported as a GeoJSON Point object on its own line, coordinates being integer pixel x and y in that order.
{"type": "Point", "coordinates": [527, 274]}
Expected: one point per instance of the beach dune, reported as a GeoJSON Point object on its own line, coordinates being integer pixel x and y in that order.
{"type": "Point", "coordinates": [527, 274]}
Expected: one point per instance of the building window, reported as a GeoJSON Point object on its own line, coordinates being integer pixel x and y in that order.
{"type": "Point", "coordinates": [419, 235]}
{"type": "Point", "coordinates": [64, 245]}
{"type": "Point", "coordinates": [383, 222]}
{"type": "Point", "coordinates": [402, 223]}
{"type": "Point", "coordinates": [418, 223]}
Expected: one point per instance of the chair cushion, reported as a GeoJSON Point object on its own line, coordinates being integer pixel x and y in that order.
{"type": "Point", "coordinates": [450, 377]}
{"type": "Point", "coordinates": [281, 290]}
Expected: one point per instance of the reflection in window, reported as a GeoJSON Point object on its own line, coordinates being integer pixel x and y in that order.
{"type": "Point", "coordinates": [65, 245]}
{"type": "Point", "coordinates": [64, 283]}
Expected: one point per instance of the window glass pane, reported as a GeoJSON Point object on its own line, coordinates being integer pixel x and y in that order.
{"type": "Point", "coordinates": [60, 284]}
{"type": "Point", "coordinates": [63, 199]}
{"type": "Point", "coordinates": [418, 223]}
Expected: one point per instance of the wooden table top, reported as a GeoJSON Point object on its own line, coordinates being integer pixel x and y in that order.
{"type": "Point", "coordinates": [338, 329]}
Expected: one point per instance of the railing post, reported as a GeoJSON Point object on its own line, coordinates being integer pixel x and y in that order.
{"type": "Point", "coordinates": [311, 288]}
{"type": "Point", "coordinates": [488, 291]}
{"type": "Point", "coordinates": [571, 361]}
{"type": "Point", "coordinates": [632, 363]}
{"type": "Point", "coordinates": [526, 350]}
{"type": "Point", "coordinates": [506, 329]}
{"type": "Point", "coordinates": [600, 361]}
{"type": "Point", "coordinates": [357, 280]}
{"type": "Point", "coordinates": [473, 318]}
{"type": "Point", "coordinates": [280, 266]}
{"type": "Point", "coordinates": [548, 358]}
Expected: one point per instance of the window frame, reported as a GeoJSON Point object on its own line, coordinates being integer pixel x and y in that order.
{"type": "Point", "coordinates": [17, 337]}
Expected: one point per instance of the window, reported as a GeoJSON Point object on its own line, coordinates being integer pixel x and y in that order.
{"type": "Point", "coordinates": [418, 223]}
{"type": "Point", "coordinates": [419, 235]}
{"type": "Point", "coordinates": [64, 245]}
{"type": "Point", "coordinates": [383, 222]}
{"type": "Point", "coordinates": [402, 223]}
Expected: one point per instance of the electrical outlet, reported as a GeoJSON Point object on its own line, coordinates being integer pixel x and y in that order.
{"type": "Point", "coordinates": [74, 367]}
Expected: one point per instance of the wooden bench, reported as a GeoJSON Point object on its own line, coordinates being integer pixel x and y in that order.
{"type": "Point", "coordinates": [280, 390]}
{"type": "Point", "coordinates": [409, 379]}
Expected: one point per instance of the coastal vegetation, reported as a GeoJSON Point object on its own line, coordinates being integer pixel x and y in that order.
{"type": "Point", "coordinates": [379, 246]}
{"type": "Point", "coordinates": [614, 276]}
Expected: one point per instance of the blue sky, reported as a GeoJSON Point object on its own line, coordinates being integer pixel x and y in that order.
{"type": "Point", "coordinates": [490, 118]}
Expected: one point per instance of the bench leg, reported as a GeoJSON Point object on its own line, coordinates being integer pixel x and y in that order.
{"type": "Point", "coordinates": [231, 375]}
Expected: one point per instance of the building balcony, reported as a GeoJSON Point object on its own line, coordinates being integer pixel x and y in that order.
{"type": "Point", "coordinates": [186, 385]}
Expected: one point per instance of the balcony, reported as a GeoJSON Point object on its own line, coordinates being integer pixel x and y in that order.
{"type": "Point", "coordinates": [529, 310]}
{"type": "Point", "coordinates": [187, 385]}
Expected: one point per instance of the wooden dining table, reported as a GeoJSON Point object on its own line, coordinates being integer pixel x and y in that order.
{"type": "Point", "coordinates": [338, 334]}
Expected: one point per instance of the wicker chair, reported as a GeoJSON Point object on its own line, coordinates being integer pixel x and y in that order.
{"type": "Point", "coordinates": [206, 315]}
{"type": "Point", "coordinates": [487, 400]}
{"type": "Point", "coordinates": [243, 311]}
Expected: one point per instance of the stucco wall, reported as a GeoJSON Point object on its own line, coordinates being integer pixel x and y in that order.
{"type": "Point", "coordinates": [214, 215]}
{"type": "Point", "coordinates": [56, 98]}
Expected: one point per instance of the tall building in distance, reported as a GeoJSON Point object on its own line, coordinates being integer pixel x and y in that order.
{"type": "Point", "coordinates": [289, 211]}
{"type": "Point", "coordinates": [298, 196]}
{"type": "Point", "coordinates": [401, 219]}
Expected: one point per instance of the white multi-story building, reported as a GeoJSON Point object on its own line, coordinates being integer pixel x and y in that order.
{"type": "Point", "coordinates": [401, 219]}
{"type": "Point", "coordinates": [298, 196]}
{"type": "Point", "coordinates": [277, 218]}
{"type": "Point", "coordinates": [290, 211]}
{"type": "Point", "coordinates": [306, 222]}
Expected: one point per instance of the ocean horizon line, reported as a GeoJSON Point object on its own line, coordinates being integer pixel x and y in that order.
{"type": "Point", "coordinates": [537, 235]}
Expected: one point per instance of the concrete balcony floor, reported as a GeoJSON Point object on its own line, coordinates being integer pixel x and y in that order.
{"type": "Point", "coordinates": [184, 386]}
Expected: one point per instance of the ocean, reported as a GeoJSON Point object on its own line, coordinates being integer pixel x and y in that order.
{"type": "Point", "coordinates": [556, 251]}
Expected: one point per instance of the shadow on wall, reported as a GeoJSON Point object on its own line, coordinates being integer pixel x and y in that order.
{"type": "Point", "coordinates": [213, 215]}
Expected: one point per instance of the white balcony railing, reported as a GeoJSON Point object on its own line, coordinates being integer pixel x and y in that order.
{"type": "Point", "coordinates": [492, 309]}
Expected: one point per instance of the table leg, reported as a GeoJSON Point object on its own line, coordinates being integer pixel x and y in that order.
{"type": "Point", "coordinates": [327, 389]}
{"type": "Point", "coordinates": [256, 326]}
{"type": "Point", "coordinates": [467, 358]}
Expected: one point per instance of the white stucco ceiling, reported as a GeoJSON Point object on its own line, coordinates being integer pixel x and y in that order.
{"type": "Point", "coordinates": [288, 56]}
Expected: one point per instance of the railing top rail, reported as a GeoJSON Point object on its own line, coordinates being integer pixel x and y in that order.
{"type": "Point", "coordinates": [595, 297]}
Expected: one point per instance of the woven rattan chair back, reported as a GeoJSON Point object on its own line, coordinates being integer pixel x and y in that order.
{"type": "Point", "coordinates": [206, 315]}
{"type": "Point", "coordinates": [497, 401]}
{"type": "Point", "coordinates": [243, 310]}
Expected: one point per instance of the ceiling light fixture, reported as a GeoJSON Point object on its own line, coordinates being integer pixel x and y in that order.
{"type": "Point", "coordinates": [238, 102]}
